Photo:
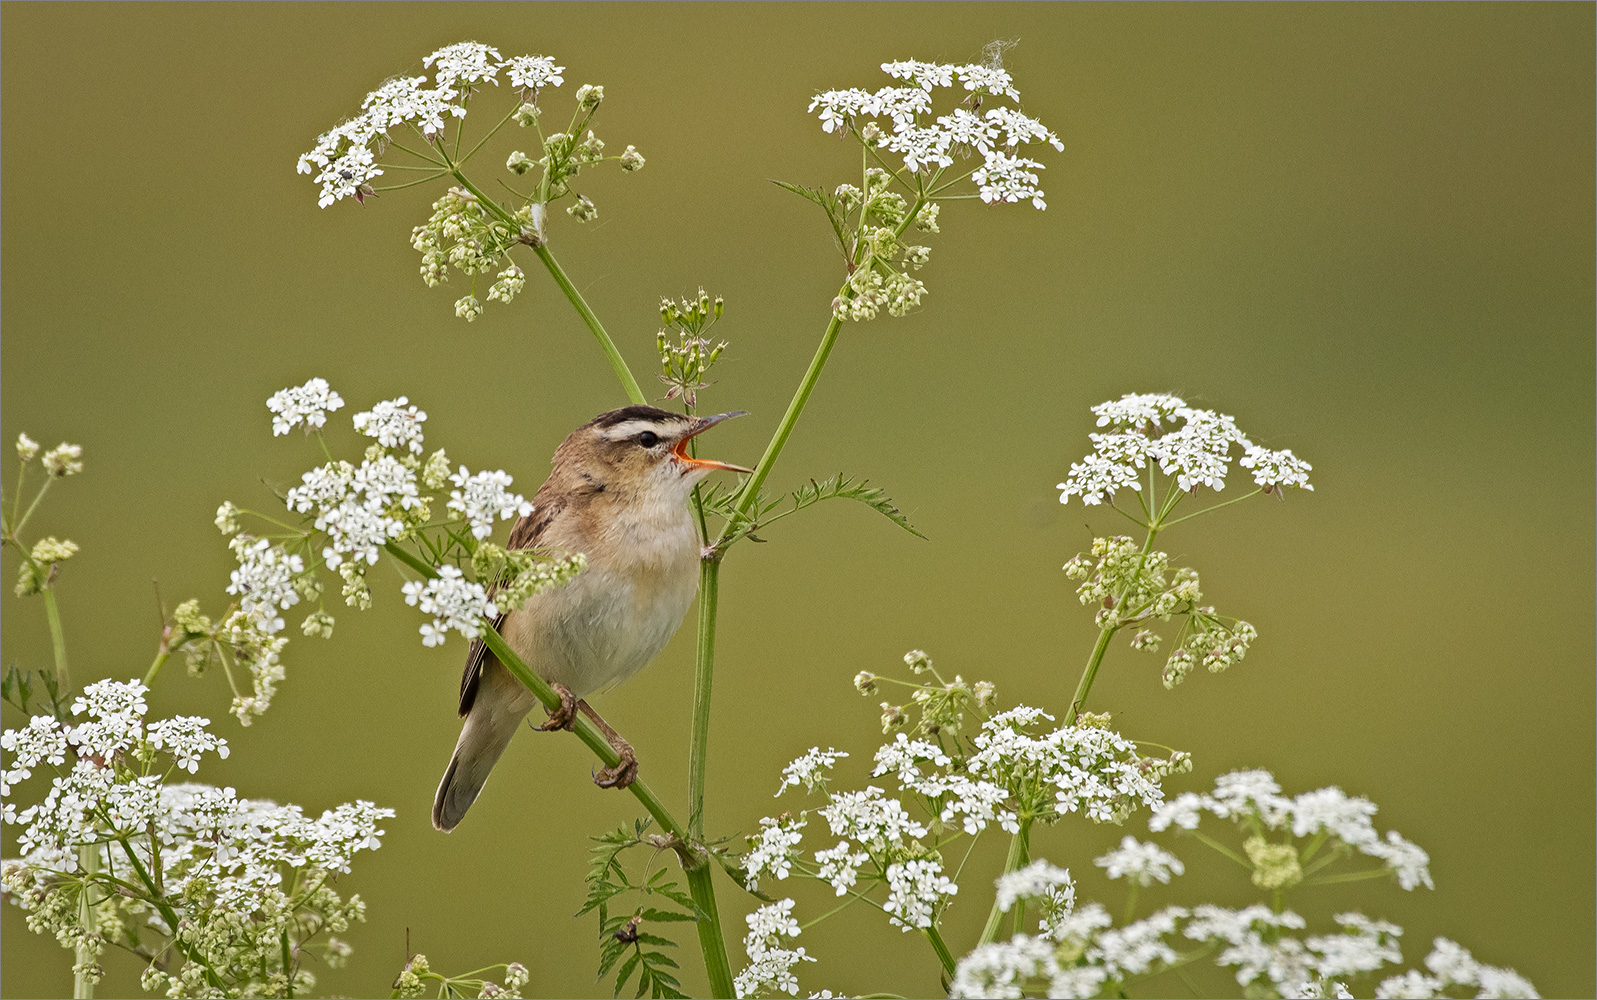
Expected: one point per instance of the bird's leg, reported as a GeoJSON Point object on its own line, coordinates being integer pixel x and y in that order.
{"type": "Point", "coordinates": [626, 770]}
{"type": "Point", "coordinates": [564, 716]}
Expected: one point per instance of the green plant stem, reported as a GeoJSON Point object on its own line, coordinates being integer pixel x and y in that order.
{"type": "Point", "coordinates": [1090, 673]}
{"type": "Point", "coordinates": [630, 384]}
{"type": "Point", "coordinates": [703, 682]}
{"type": "Point", "coordinates": [57, 638]}
{"type": "Point", "coordinates": [938, 945]}
{"type": "Point", "coordinates": [751, 489]}
{"type": "Point", "coordinates": [155, 668]}
{"type": "Point", "coordinates": [694, 860]}
{"type": "Point", "coordinates": [89, 861]}
{"type": "Point", "coordinates": [1019, 850]}
{"type": "Point", "coordinates": [17, 526]}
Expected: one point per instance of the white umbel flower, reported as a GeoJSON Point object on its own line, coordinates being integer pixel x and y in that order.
{"type": "Point", "coordinates": [308, 404]}
{"type": "Point", "coordinates": [394, 424]}
{"type": "Point", "coordinates": [485, 496]}
{"type": "Point", "coordinates": [1140, 863]}
{"type": "Point", "coordinates": [453, 601]}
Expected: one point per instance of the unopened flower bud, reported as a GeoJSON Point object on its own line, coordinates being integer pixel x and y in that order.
{"type": "Point", "coordinates": [227, 518]}
{"type": "Point", "coordinates": [1177, 667]}
{"type": "Point", "coordinates": [1078, 568]}
{"type": "Point", "coordinates": [1275, 866]}
{"type": "Point", "coordinates": [590, 96]}
{"type": "Point", "coordinates": [917, 661]}
{"type": "Point", "coordinates": [526, 115]}
{"type": "Point", "coordinates": [519, 163]}
{"type": "Point", "coordinates": [871, 132]}
{"type": "Point", "coordinates": [893, 717]}
{"type": "Point", "coordinates": [62, 460]}
{"type": "Point", "coordinates": [631, 159]}
{"type": "Point", "coordinates": [1147, 639]}
{"type": "Point", "coordinates": [468, 308]}
{"type": "Point", "coordinates": [985, 693]}
{"type": "Point", "coordinates": [26, 447]}
{"type": "Point", "coordinates": [865, 682]}
{"type": "Point", "coordinates": [318, 623]}
{"type": "Point", "coordinates": [583, 210]}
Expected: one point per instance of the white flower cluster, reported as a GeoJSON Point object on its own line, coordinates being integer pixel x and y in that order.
{"type": "Point", "coordinates": [1453, 967]}
{"type": "Point", "coordinates": [916, 891]}
{"type": "Point", "coordinates": [773, 849]}
{"type": "Point", "coordinates": [265, 580]}
{"type": "Point", "coordinates": [1247, 796]}
{"type": "Point", "coordinates": [485, 496]}
{"type": "Point", "coordinates": [810, 770]}
{"type": "Point", "coordinates": [953, 794]}
{"type": "Point", "coordinates": [344, 160]}
{"type": "Point", "coordinates": [353, 506]}
{"type": "Point", "coordinates": [393, 423]}
{"type": "Point", "coordinates": [307, 404]}
{"type": "Point", "coordinates": [453, 601]}
{"type": "Point", "coordinates": [1041, 881]}
{"type": "Point", "coordinates": [1195, 449]}
{"type": "Point", "coordinates": [1089, 769]}
{"type": "Point", "coordinates": [771, 962]}
{"type": "Point", "coordinates": [222, 859]}
{"type": "Point", "coordinates": [1142, 864]}
{"type": "Point", "coordinates": [930, 144]}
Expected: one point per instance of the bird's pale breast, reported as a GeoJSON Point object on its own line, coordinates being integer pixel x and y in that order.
{"type": "Point", "coordinates": [621, 610]}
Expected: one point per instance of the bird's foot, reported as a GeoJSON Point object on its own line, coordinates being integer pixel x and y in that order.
{"type": "Point", "coordinates": [563, 717]}
{"type": "Point", "coordinates": [625, 771]}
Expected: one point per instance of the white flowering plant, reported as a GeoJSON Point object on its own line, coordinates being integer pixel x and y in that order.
{"type": "Point", "coordinates": [961, 768]}
{"type": "Point", "coordinates": [956, 768]}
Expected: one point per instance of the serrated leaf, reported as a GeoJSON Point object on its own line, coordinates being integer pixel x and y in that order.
{"type": "Point", "coordinates": [808, 194]}
{"type": "Point", "coordinates": [840, 487]}
{"type": "Point", "coordinates": [609, 952]}
{"type": "Point", "coordinates": [683, 900]}
{"type": "Point", "coordinates": [656, 940]}
{"type": "Point", "coordinates": [625, 973]}
{"type": "Point", "coordinates": [658, 958]}
{"type": "Point", "coordinates": [666, 916]}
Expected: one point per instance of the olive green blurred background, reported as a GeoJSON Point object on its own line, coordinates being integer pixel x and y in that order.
{"type": "Point", "coordinates": [1365, 230]}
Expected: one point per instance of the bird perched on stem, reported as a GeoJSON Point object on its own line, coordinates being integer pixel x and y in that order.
{"type": "Point", "coordinates": [618, 495]}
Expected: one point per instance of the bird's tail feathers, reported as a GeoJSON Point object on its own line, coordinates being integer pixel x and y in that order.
{"type": "Point", "coordinates": [482, 740]}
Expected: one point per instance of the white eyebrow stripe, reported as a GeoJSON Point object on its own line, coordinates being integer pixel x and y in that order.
{"type": "Point", "coordinates": [632, 428]}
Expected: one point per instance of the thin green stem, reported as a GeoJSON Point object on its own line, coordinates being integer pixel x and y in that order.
{"type": "Point", "coordinates": [1019, 849]}
{"type": "Point", "coordinates": [491, 133]}
{"type": "Point", "coordinates": [1228, 852]}
{"type": "Point", "coordinates": [410, 184]}
{"type": "Point", "coordinates": [58, 640]}
{"type": "Point", "coordinates": [420, 156]}
{"type": "Point", "coordinates": [89, 861]}
{"type": "Point", "coordinates": [1349, 877]}
{"type": "Point", "coordinates": [617, 363]}
{"type": "Point", "coordinates": [1188, 517]}
{"type": "Point", "coordinates": [712, 943]}
{"type": "Point", "coordinates": [16, 529]}
{"type": "Point", "coordinates": [1089, 674]}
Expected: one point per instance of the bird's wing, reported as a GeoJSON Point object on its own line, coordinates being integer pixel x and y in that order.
{"type": "Point", "coordinates": [546, 505]}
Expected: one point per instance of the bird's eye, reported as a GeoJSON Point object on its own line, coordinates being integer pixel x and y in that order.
{"type": "Point", "coordinates": [648, 439]}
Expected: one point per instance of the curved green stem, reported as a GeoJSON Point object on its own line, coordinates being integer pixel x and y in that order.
{"type": "Point", "coordinates": [630, 384]}
{"type": "Point", "coordinates": [155, 667]}
{"type": "Point", "coordinates": [703, 681]}
{"type": "Point", "coordinates": [1089, 674]}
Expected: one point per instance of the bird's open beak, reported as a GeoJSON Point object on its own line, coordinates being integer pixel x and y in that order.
{"type": "Point", "coordinates": [680, 450]}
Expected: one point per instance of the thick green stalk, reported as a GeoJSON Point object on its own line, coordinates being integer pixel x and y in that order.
{"type": "Point", "coordinates": [155, 667]}
{"type": "Point", "coordinates": [700, 881]}
{"type": "Point", "coordinates": [711, 941]}
{"type": "Point", "coordinates": [1019, 851]}
{"type": "Point", "coordinates": [58, 639]}
{"type": "Point", "coordinates": [703, 682]}
{"type": "Point", "coordinates": [630, 384]}
{"type": "Point", "coordinates": [943, 954]}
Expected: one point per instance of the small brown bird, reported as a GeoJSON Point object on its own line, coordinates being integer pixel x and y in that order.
{"type": "Point", "coordinates": [618, 495]}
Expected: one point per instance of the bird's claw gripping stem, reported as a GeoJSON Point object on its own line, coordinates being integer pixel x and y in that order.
{"type": "Point", "coordinates": [563, 717]}
{"type": "Point", "coordinates": [625, 771]}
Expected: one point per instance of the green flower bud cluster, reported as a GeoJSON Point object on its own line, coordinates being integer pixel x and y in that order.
{"type": "Point", "coordinates": [880, 258]}
{"type": "Point", "coordinates": [1275, 866]}
{"type": "Point", "coordinates": [523, 573]}
{"type": "Point", "coordinates": [685, 361]}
